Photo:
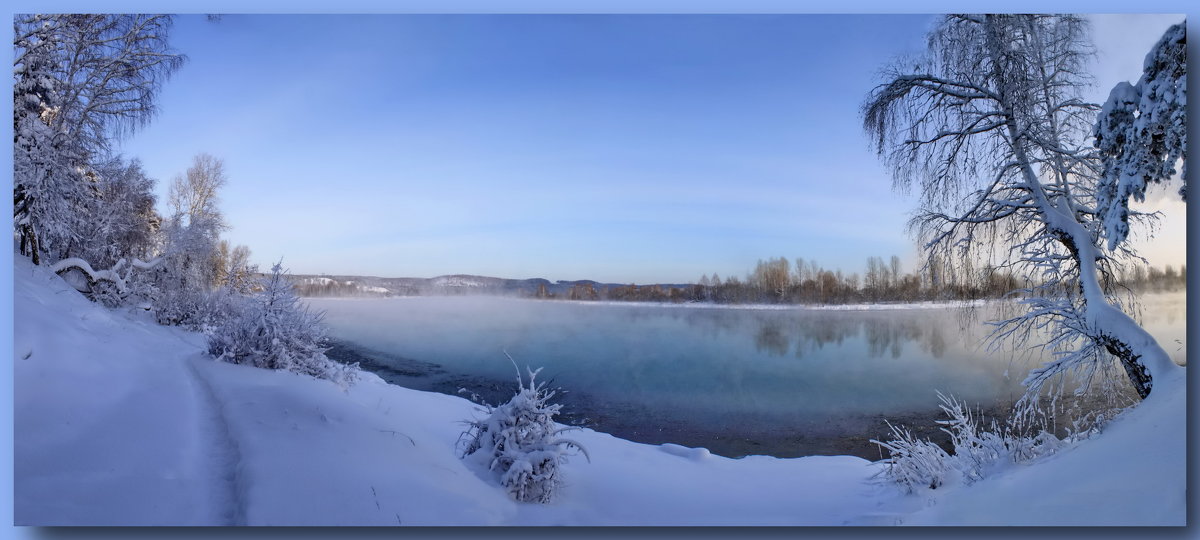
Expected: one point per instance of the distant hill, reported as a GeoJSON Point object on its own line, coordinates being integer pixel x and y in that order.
{"type": "Point", "coordinates": [456, 284]}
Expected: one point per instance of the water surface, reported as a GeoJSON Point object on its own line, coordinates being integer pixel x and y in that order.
{"type": "Point", "coordinates": [784, 382]}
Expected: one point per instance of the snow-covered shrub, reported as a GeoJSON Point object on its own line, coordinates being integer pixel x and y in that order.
{"type": "Point", "coordinates": [976, 451]}
{"type": "Point", "coordinates": [273, 330]}
{"type": "Point", "coordinates": [197, 309]}
{"type": "Point", "coordinates": [916, 463]}
{"type": "Point", "coordinates": [520, 441]}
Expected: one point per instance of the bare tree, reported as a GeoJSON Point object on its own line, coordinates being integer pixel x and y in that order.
{"type": "Point", "coordinates": [193, 195]}
{"type": "Point", "coordinates": [773, 276]}
{"type": "Point", "coordinates": [990, 128]}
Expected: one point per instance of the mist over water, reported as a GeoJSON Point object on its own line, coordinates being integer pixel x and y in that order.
{"type": "Point", "coordinates": [785, 382]}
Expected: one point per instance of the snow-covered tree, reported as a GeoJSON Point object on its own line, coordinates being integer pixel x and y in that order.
{"type": "Point", "coordinates": [124, 222]}
{"type": "Point", "coordinates": [192, 236]}
{"type": "Point", "coordinates": [233, 268]}
{"type": "Point", "coordinates": [990, 127]}
{"type": "Point", "coordinates": [274, 330]}
{"type": "Point", "coordinates": [520, 441]}
{"type": "Point", "coordinates": [80, 81]}
{"type": "Point", "coordinates": [1142, 132]}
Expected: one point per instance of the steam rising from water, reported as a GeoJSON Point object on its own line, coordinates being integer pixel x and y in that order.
{"type": "Point", "coordinates": [708, 376]}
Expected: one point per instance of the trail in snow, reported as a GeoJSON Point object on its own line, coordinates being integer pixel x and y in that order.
{"type": "Point", "coordinates": [228, 493]}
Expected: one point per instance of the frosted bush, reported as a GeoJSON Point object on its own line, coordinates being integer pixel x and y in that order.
{"type": "Point", "coordinates": [975, 451]}
{"type": "Point", "coordinates": [520, 441]}
{"type": "Point", "coordinates": [916, 463]}
{"type": "Point", "coordinates": [273, 330]}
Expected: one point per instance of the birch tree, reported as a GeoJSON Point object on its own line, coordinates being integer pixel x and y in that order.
{"type": "Point", "coordinates": [192, 236]}
{"type": "Point", "coordinates": [989, 127]}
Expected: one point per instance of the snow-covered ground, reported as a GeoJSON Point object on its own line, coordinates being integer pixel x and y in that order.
{"type": "Point", "coordinates": [121, 421]}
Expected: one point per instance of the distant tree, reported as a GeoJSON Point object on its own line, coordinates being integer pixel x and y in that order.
{"type": "Point", "coordinates": [989, 125]}
{"type": "Point", "coordinates": [894, 268]}
{"type": "Point", "coordinates": [852, 282]}
{"type": "Point", "coordinates": [873, 280]}
{"type": "Point", "coordinates": [801, 272]}
{"type": "Point", "coordinates": [233, 269]}
{"type": "Point", "coordinates": [773, 277]}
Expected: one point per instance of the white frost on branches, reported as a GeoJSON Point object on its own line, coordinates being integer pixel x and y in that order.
{"type": "Point", "coordinates": [274, 330]}
{"type": "Point", "coordinates": [918, 463]}
{"type": "Point", "coordinates": [520, 440]}
{"type": "Point", "coordinates": [79, 82]}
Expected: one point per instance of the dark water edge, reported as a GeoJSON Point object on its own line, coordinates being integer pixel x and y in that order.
{"type": "Point", "coordinates": [849, 435]}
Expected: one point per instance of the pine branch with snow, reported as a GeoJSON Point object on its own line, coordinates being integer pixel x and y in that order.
{"type": "Point", "coordinates": [1142, 133]}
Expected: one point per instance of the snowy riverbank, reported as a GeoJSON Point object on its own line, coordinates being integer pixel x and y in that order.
{"type": "Point", "coordinates": [121, 421]}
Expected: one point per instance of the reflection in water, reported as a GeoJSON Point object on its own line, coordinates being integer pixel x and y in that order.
{"type": "Point", "coordinates": [737, 381]}
{"type": "Point", "coordinates": [885, 335]}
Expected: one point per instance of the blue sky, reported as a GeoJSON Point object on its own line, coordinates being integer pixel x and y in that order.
{"type": "Point", "coordinates": [617, 148]}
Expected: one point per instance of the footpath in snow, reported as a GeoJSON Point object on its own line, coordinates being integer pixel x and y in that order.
{"type": "Point", "coordinates": [119, 421]}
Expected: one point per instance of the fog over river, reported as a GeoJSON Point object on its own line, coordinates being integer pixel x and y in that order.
{"type": "Point", "coordinates": [738, 381]}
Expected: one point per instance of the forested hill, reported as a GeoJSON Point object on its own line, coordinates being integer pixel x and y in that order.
{"type": "Point", "coordinates": [329, 285]}
{"type": "Point", "coordinates": [761, 286]}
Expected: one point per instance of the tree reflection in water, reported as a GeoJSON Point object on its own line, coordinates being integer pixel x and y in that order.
{"type": "Point", "coordinates": [886, 334]}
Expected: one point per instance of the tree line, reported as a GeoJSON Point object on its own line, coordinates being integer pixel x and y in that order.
{"type": "Point", "coordinates": [782, 281]}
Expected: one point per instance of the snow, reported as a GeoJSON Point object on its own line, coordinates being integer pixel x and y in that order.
{"type": "Point", "coordinates": [121, 421]}
{"type": "Point", "coordinates": [455, 281]}
{"type": "Point", "coordinates": [1091, 483]}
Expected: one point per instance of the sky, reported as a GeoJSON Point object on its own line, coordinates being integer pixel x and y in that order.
{"type": "Point", "coordinates": [619, 148]}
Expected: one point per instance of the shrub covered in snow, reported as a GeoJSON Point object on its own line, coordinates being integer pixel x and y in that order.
{"type": "Point", "coordinates": [520, 441]}
{"type": "Point", "coordinates": [916, 463]}
{"type": "Point", "coordinates": [273, 330]}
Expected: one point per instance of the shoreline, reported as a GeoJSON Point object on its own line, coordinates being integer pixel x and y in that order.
{"type": "Point", "coordinates": [898, 306]}
{"type": "Point", "coordinates": [818, 436]}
